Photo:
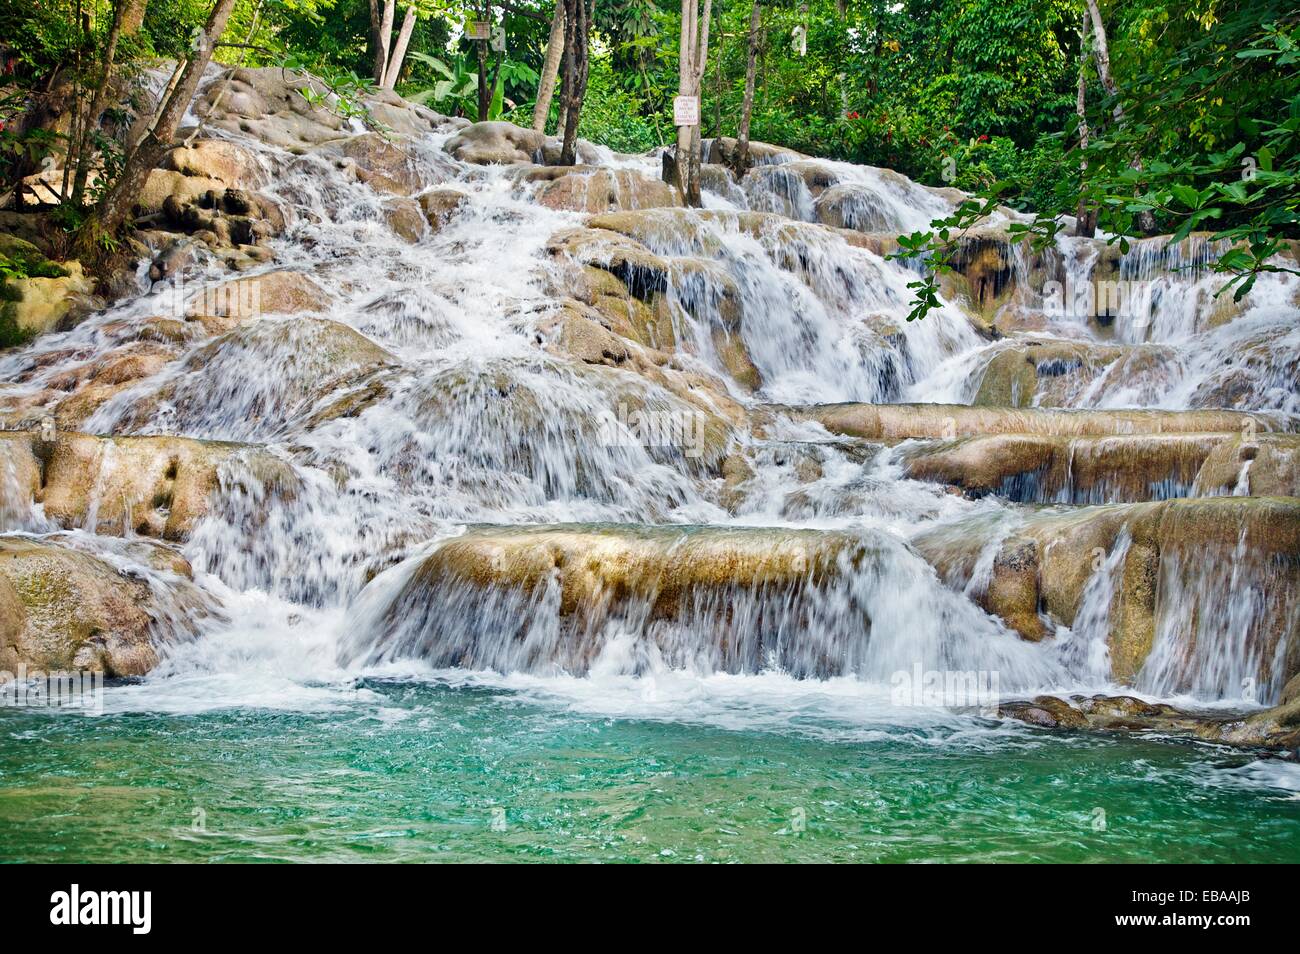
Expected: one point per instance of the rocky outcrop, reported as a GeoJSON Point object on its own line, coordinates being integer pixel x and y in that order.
{"type": "Point", "coordinates": [496, 143]}
{"type": "Point", "coordinates": [267, 104]}
{"type": "Point", "coordinates": [1056, 373]}
{"type": "Point", "coordinates": [541, 597]}
{"type": "Point", "coordinates": [1277, 728]}
{"type": "Point", "coordinates": [897, 422]}
{"type": "Point", "coordinates": [227, 304]}
{"type": "Point", "coordinates": [263, 376]}
{"type": "Point", "coordinates": [391, 165]}
{"type": "Point", "coordinates": [119, 486]}
{"type": "Point", "coordinates": [440, 206]}
{"type": "Point", "coordinates": [63, 608]}
{"type": "Point", "coordinates": [722, 151]}
{"type": "Point", "coordinates": [53, 296]}
{"type": "Point", "coordinates": [642, 289]}
{"type": "Point", "coordinates": [1128, 468]}
{"type": "Point", "coordinates": [1175, 569]}
{"type": "Point", "coordinates": [594, 190]}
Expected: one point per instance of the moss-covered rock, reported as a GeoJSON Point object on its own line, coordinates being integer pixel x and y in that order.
{"type": "Point", "coordinates": [63, 609]}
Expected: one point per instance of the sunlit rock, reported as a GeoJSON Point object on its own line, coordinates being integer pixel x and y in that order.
{"type": "Point", "coordinates": [64, 608]}
{"type": "Point", "coordinates": [121, 486]}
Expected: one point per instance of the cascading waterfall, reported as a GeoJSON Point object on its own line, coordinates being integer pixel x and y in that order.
{"type": "Point", "coordinates": [423, 393]}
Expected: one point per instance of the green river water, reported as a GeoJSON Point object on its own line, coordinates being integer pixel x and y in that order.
{"type": "Point", "coordinates": [429, 770]}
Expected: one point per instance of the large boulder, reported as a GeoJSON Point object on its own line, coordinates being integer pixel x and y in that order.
{"type": "Point", "coordinates": [594, 189]}
{"type": "Point", "coordinates": [121, 486]}
{"type": "Point", "coordinates": [218, 160]}
{"type": "Point", "coordinates": [496, 143]}
{"type": "Point", "coordinates": [722, 151]}
{"type": "Point", "coordinates": [388, 164]}
{"type": "Point", "coordinates": [440, 206]}
{"type": "Point", "coordinates": [281, 292]}
{"type": "Point", "coordinates": [63, 608]}
{"type": "Point", "coordinates": [54, 295]}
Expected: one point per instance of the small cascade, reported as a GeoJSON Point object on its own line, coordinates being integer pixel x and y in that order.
{"type": "Point", "coordinates": [1083, 648]}
{"type": "Point", "coordinates": [553, 600]}
{"type": "Point", "coordinates": [1226, 622]}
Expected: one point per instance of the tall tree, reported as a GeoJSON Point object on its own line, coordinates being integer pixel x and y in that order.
{"type": "Point", "coordinates": [115, 206]}
{"type": "Point", "coordinates": [1085, 216]}
{"type": "Point", "coordinates": [377, 42]}
{"type": "Point", "coordinates": [550, 69]}
{"type": "Point", "coordinates": [394, 65]}
{"type": "Point", "coordinates": [1101, 54]}
{"type": "Point", "coordinates": [127, 17]}
{"type": "Point", "coordinates": [577, 26]}
{"type": "Point", "coordinates": [385, 40]}
{"type": "Point", "coordinates": [741, 161]}
{"type": "Point", "coordinates": [693, 57]}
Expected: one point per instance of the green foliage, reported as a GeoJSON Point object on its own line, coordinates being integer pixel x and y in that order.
{"type": "Point", "coordinates": [610, 115]}
{"type": "Point", "coordinates": [18, 260]}
{"type": "Point", "coordinates": [342, 91]}
{"type": "Point", "coordinates": [1204, 135]}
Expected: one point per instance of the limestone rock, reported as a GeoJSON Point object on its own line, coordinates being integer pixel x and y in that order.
{"type": "Point", "coordinates": [594, 190]}
{"type": "Point", "coordinates": [217, 159]}
{"type": "Point", "coordinates": [39, 305]}
{"type": "Point", "coordinates": [64, 609]}
{"type": "Point", "coordinates": [496, 143]}
{"type": "Point", "coordinates": [894, 422]}
{"type": "Point", "coordinates": [148, 486]}
{"type": "Point", "coordinates": [271, 293]}
{"type": "Point", "coordinates": [441, 205]}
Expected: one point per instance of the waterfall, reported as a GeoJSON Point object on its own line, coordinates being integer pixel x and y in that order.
{"type": "Point", "coordinates": [536, 440]}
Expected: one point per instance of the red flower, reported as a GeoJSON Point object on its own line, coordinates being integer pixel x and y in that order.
{"type": "Point", "coordinates": [983, 139]}
{"type": "Point", "coordinates": [853, 115]}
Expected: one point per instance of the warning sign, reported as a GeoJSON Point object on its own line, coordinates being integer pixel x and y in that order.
{"type": "Point", "coordinates": [686, 111]}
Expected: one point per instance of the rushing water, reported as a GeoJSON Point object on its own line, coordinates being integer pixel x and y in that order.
{"type": "Point", "coordinates": [292, 713]}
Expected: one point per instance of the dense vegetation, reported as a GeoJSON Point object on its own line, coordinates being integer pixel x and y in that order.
{"type": "Point", "coordinates": [1194, 127]}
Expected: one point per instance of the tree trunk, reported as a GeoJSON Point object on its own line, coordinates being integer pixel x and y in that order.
{"type": "Point", "coordinates": [741, 161]}
{"type": "Point", "coordinates": [399, 52]}
{"type": "Point", "coordinates": [693, 57]}
{"type": "Point", "coordinates": [550, 69]}
{"type": "Point", "coordinates": [376, 41]}
{"type": "Point", "coordinates": [385, 40]}
{"type": "Point", "coordinates": [574, 89]}
{"type": "Point", "coordinates": [1085, 218]}
{"type": "Point", "coordinates": [115, 207]}
{"type": "Point", "coordinates": [127, 17]}
{"type": "Point", "coordinates": [484, 102]}
{"type": "Point", "coordinates": [1101, 53]}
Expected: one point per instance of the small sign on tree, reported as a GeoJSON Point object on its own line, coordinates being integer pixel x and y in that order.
{"type": "Point", "coordinates": [479, 29]}
{"type": "Point", "coordinates": [686, 110]}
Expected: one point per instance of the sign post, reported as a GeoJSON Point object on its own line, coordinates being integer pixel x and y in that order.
{"type": "Point", "coordinates": [686, 111]}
